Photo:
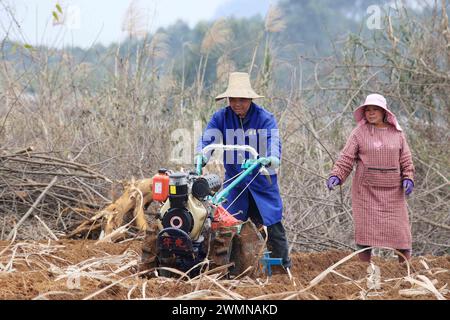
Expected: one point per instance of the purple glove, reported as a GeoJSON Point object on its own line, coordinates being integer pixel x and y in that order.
{"type": "Point", "coordinates": [332, 182]}
{"type": "Point", "coordinates": [408, 185]}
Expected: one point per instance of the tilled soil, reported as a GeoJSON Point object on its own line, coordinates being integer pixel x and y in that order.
{"type": "Point", "coordinates": [76, 269]}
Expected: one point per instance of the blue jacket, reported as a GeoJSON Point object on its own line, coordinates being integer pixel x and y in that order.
{"type": "Point", "coordinates": [236, 131]}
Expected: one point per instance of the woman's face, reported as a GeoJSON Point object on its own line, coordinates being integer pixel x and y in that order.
{"type": "Point", "coordinates": [240, 106]}
{"type": "Point", "coordinates": [374, 114]}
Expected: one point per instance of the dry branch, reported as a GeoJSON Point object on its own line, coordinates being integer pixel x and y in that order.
{"type": "Point", "coordinates": [74, 194]}
{"type": "Point", "coordinates": [26, 215]}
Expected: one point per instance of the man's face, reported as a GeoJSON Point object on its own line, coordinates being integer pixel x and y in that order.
{"type": "Point", "coordinates": [240, 106]}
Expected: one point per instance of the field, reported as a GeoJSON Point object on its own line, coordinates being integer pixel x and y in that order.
{"type": "Point", "coordinates": [77, 269]}
{"type": "Point", "coordinates": [81, 128]}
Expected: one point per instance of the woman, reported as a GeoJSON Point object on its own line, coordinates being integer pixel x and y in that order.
{"type": "Point", "coordinates": [384, 174]}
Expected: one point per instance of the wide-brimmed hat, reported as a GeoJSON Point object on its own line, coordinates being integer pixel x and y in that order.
{"type": "Point", "coordinates": [239, 87]}
{"type": "Point", "coordinates": [379, 101]}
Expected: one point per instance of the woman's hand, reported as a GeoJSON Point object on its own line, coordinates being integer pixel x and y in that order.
{"type": "Point", "coordinates": [408, 185]}
{"type": "Point", "coordinates": [332, 182]}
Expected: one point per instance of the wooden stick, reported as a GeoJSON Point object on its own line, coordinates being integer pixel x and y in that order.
{"type": "Point", "coordinates": [25, 150]}
{"type": "Point", "coordinates": [429, 221]}
{"type": "Point", "coordinates": [46, 228]}
{"type": "Point", "coordinates": [47, 173]}
{"type": "Point", "coordinates": [64, 164]}
{"type": "Point", "coordinates": [26, 215]}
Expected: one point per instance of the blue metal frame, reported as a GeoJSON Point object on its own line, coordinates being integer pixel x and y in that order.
{"type": "Point", "coordinates": [249, 166]}
{"type": "Point", "coordinates": [267, 263]}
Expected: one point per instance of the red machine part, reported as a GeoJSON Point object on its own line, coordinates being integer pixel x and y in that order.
{"type": "Point", "coordinates": [160, 186]}
{"type": "Point", "coordinates": [222, 218]}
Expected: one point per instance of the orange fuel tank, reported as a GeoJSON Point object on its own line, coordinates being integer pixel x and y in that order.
{"type": "Point", "coordinates": [160, 186]}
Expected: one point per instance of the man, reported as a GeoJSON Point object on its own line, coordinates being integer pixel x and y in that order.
{"type": "Point", "coordinates": [244, 122]}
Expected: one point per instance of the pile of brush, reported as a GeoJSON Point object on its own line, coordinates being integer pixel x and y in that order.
{"type": "Point", "coordinates": [44, 196]}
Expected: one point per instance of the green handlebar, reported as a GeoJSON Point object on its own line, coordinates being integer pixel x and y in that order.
{"type": "Point", "coordinates": [199, 164]}
{"type": "Point", "coordinates": [249, 166]}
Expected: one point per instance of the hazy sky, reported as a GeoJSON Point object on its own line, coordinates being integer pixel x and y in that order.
{"type": "Point", "coordinates": [89, 21]}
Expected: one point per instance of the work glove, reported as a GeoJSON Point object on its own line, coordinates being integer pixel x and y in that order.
{"type": "Point", "coordinates": [408, 185]}
{"type": "Point", "coordinates": [271, 162]}
{"type": "Point", "coordinates": [332, 182]}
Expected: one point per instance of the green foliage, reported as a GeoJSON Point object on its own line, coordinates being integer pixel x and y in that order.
{"type": "Point", "coordinates": [55, 16]}
{"type": "Point", "coordinates": [58, 7]}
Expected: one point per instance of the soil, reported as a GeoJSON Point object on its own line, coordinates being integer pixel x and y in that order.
{"type": "Point", "coordinates": [76, 269]}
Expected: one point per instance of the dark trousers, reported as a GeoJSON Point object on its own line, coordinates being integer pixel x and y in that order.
{"type": "Point", "coordinates": [276, 238]}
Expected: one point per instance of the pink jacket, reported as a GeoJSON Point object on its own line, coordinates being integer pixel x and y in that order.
{"type": "Point", "coordinates": [383, 159]}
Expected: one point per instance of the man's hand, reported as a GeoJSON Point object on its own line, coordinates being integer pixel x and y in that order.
{"type": "Point", "coordinates": [271, 162]}
{"type": "Point", "coordinates": [202, 158]}
{"type": "Point", "coordinates": [332, 182]}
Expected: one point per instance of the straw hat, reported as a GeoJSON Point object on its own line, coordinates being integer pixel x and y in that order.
{"type": "Point", "coordinates": [239, 87]}
{"type": "Point", "coordinates": [379, 101]}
